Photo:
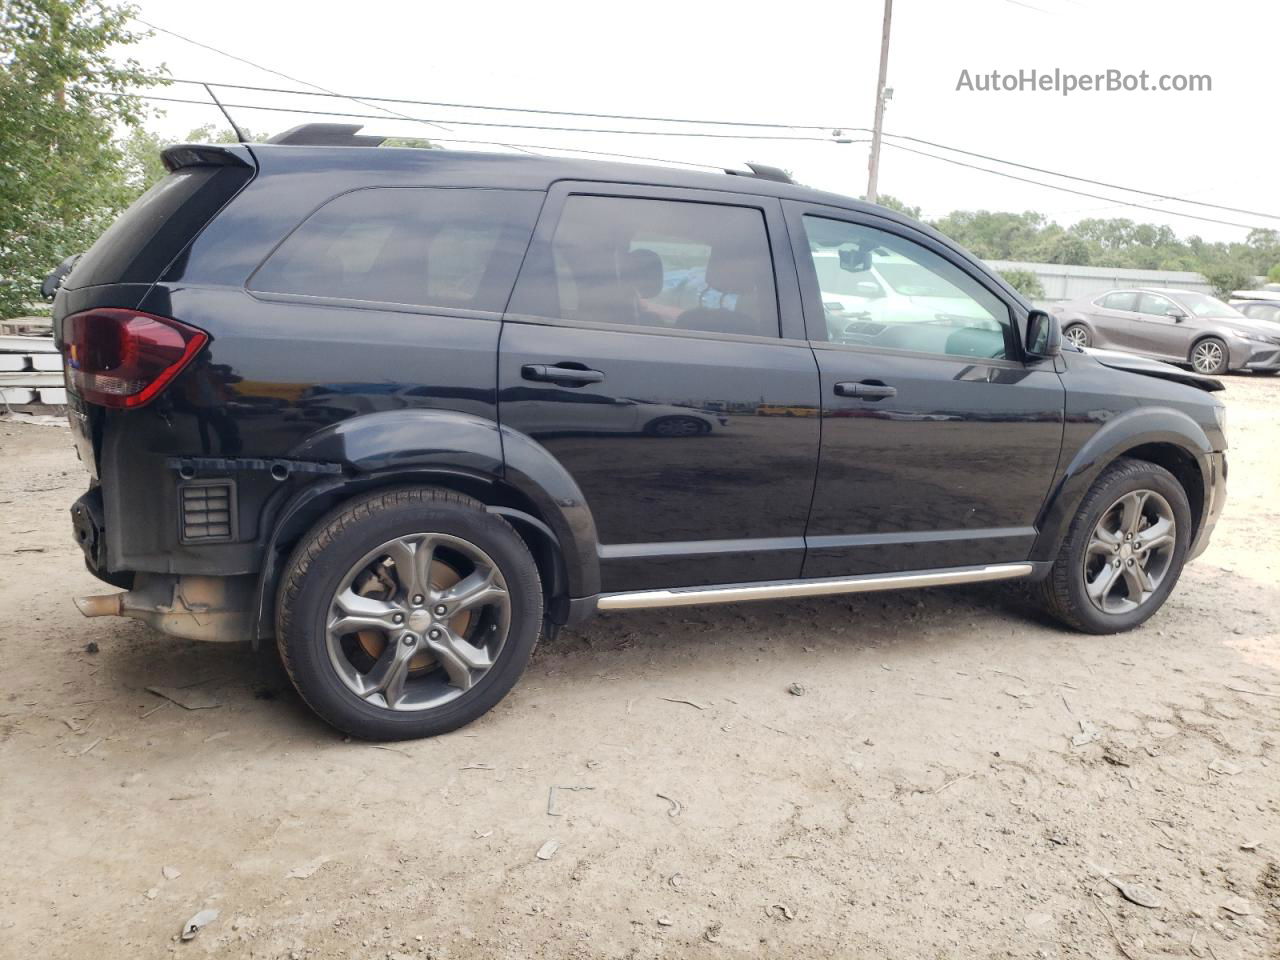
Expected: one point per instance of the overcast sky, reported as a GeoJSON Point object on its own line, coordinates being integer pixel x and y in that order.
{"type": "Point", "coordinates": [801, 62]}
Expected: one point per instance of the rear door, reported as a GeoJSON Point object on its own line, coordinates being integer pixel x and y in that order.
{"type": "Point", "coordinates": [654, 350]}
{"type": "Point", "coordinates": [939, 441]}
{"type": "Point", "coordinates": [1114, 318]}
{"type": "Point", "coordinates": [1162, 328]}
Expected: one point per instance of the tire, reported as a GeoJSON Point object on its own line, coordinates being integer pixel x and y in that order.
{"type": "Point", "coordinates": [443, 685]}
{"type": "Point", "coordinates": [1210, 357]}
{"type": "Point", "coordinates": [677, 427]}
{"type": "Point", "coordinates": [1064, 592]}
{"type": "Point", "coordinates": [1077, 334]}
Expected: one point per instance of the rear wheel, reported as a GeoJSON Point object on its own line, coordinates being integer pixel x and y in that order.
{"type": "Point", "coordinates": [1077, 334]}
{"type": "Point", "coordinates": [1123, 552]}
{"type": "Point", "coordinates": [677, 427]}
{"type": "Point", "coordinates": [1210, 356]}
{"type": "Point", "coordinates": [408, 613]}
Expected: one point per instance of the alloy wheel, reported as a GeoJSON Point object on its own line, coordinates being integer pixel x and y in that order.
{"type": "Point", "coordinates": [418, 621]}
{"type": "Point", "coordinates": [1130, 552]}
{"type": "Point", "coordinates": [1077, 336]}
{"type": "Point", "coordinates": [1207, 357]}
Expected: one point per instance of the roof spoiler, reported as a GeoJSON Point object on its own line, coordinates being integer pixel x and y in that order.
{"type": "Point", "coordinates": [763, 171]}
{"type": "Point", "coordinates": [326, 135]}
{"type": "Point", "coordinates": [202, 155]}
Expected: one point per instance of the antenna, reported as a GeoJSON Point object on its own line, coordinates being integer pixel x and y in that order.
{"type": "Point", "coordinates": [238, 132]}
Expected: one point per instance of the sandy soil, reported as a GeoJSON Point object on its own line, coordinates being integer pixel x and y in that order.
{"type": "Point", "coordinates": [921, 798]}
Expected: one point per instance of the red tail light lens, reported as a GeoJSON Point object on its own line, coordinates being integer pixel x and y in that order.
{"type": "Point", "coordinates": [123, 358]}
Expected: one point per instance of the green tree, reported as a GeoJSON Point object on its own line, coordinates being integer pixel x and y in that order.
{"type": "Point", "coordinates": [1025, 282]}
{"type": "Point", "coordinates": [893, 203]}
{"type": "Point", "coordinates": [1273, 275]}
{"type": "Point", "coordinates": [63, 92]}
{"type": "Point", "coordinates": [1226, 280]}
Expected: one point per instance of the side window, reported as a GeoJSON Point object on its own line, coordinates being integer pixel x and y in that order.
{"type": "Point", "coordinates": [655, 263]}
{"type": "Point", "coordinates": [1156, 306]}
{"type": "Point", "coordinates": [1120, 300]}
{"type": "Point", "coordinates": [431, 247]}
{"type": "Point", "coordinates": [879, 289]}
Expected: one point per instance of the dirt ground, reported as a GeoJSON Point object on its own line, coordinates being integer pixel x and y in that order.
{"type": "Point", "coordinates": [922, 797]}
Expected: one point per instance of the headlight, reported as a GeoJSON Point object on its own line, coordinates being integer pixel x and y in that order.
{"type": "Point", "coordinates": [1252, 337]}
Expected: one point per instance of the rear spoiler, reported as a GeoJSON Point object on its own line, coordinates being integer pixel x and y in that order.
{"type": "Point", "coordinates": [205, 155]}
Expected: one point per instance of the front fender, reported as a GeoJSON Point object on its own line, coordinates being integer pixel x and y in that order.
{"type": "Point", "coordinates": [1133, 428]}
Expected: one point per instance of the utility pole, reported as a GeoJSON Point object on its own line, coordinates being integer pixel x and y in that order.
{"type": "Point", "coordinates": [873, 164]}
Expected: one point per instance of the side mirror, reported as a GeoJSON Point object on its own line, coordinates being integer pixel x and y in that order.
{"type": "Point", "coordinates": [1177, 316]}
{"type": "Point", "coordinates": [1044, 334]}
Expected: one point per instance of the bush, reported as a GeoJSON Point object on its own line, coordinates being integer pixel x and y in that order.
{"type": "Point", "coordinates": [1025, 282]}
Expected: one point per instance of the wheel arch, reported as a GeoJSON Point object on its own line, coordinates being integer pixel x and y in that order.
{"type": "Point", "coordinates": [512, 475]}
{"type": "Point", "coordinates": [1166, 437]}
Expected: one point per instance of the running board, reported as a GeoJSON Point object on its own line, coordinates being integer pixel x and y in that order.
{"type": "Point", "coordinates": [776, 590]}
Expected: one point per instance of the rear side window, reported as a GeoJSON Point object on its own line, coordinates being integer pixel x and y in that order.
{"type": "Point", "coordinates": [158, 226]}
{"type": "Point", "coordinates": [1119, 301]}
{"type": "Point", "coordinates": [655, 263]}
{"type": "Point", "coordinates": [423, 246]}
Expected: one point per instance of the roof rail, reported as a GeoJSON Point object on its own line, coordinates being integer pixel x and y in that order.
{"type": "Point", "coordinates": [763, 171]}
{"type": "Point", "coordinates": [326, 135]}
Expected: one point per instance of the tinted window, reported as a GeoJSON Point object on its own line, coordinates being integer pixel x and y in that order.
{"type": "Point", "coordinates": [424, 246]}
{"type": "Point", "coordinates": [1120, 301]}
{"type": "Point", "coordinates": [1158, 306]}
{"type": "Point", "coordinates": [157, 226]}
{"type": "Point", "coordinates": [879, 289]}
{"type": "Point", "coordinates": [655, 263]}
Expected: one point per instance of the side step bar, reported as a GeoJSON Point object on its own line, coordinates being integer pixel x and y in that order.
{"type": "Point", "coordinates": [776, 590]}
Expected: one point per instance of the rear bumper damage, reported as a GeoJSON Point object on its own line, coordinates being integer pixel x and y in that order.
{"type": "Point", "coordinates": [188, 607]}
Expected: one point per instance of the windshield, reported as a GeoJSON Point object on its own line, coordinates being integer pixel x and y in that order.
{"type": "Point", "coordinates": [1202, 305]}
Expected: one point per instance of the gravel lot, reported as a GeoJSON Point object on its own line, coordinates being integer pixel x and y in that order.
{"type": "Point", "coordinates": [921, 798]}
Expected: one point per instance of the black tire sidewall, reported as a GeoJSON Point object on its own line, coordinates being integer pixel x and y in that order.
{"type": "Point", "coordinates": [302, 632]}
{"type": "Point", "coordinates": [1137, 475]}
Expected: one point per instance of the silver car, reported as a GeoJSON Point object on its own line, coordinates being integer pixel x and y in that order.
{"type": "Point", "coordinates": [1179, 326]}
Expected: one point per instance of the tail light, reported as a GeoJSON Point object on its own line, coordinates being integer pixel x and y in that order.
{"type": "Point", "coordinates": [123, 358]}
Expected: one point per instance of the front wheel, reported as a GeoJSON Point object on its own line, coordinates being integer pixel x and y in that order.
{"type": "Point", "coordinates": [1123, 552]}
{"type": "Point", "coordinates": [1077, 334]}
{"type": "Point", "coordinates": [1210, 356]}
{"type": "Point", "coordinates": [408, 613]}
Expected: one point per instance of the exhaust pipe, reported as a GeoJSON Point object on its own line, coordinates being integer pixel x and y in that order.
{"type": "Point", "coordinates": [190, 607]}
{"type": "Point", "coordinates": [103, 605]}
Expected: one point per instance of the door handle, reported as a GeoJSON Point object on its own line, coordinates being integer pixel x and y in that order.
{"type": "Point", "coordinates": [566, 376]}
{"type": "Point", "coordinates": [866, 390]}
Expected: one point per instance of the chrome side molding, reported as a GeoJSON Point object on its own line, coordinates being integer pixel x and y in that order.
{"type": "Point", "coordinates": [775, 590]}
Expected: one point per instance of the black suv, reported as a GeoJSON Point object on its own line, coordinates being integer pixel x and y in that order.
{"type": "Point", "coordinates": [402, 410]}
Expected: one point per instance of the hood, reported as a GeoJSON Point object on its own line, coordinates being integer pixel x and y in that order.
{"type": "Point", "coordinates": [1152, 368]}
{"type": "Point", "coordinates": [1248, 325]}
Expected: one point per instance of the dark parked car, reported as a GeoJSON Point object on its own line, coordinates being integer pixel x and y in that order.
{"type": "Point", "coordinates": [1178, 326]}
{"type": "Point", "coordinates": [401, 411]}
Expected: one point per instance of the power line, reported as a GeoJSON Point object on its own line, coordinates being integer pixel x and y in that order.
{"type": "Point", "coordinates": [504, 126]}
{"type": "Point", "coordinates": [730, 123]}
{"type": "Point", "coordinates": [258, 66]}
{"type": "Point", "coordinates": [1096, 183]}
{"type": "Point", "coordinates": [548, 112]}
{"type": "Point", "coordinates": [1092, 196]}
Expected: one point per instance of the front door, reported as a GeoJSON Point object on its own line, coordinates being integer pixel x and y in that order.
{"type": "Point", "coordinates": [939, 443]}
{"type": "Point", "coordinates": [653, 349]}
